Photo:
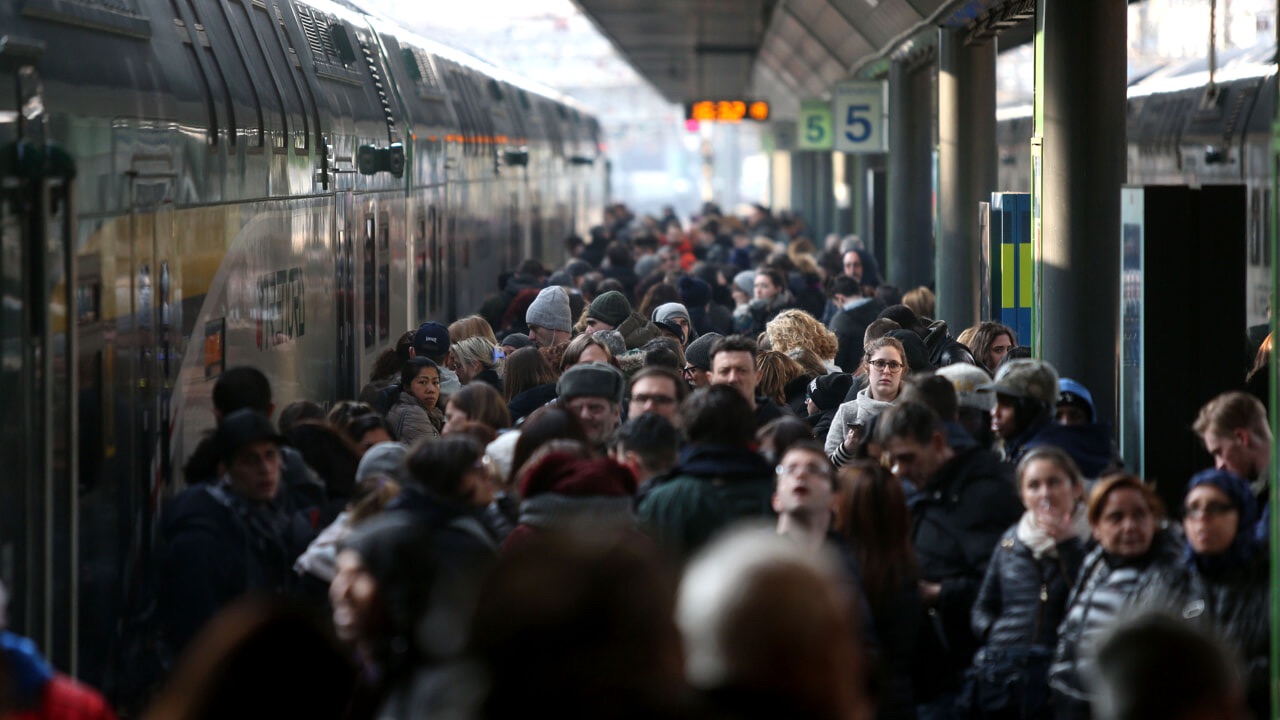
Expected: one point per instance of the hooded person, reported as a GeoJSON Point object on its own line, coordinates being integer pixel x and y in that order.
{"type": "Point", "coordinates": [1026, 391]}
{"type": "Point", "coordinates": [612, 311]}
{"type": "Point", "coordinates": [674, 319]}
{"type": "Point", "coordinates": [825, 395]}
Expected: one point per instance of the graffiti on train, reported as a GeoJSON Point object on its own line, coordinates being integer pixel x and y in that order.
{"type": "Point", "coordinates": [282, 307]}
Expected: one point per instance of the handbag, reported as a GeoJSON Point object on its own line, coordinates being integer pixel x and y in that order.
{"type": "Point", "coordinates": [1007, 683]}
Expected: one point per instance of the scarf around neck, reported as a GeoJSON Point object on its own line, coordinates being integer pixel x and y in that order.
{"type": "Point", "coordinates": [1038, 540]}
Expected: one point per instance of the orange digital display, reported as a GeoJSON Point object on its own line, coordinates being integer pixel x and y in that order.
{"type": "Point", "coordinates": [728, 110]}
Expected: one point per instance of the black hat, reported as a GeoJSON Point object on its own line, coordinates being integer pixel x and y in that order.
{"type": "Point", "coordinates": [431, 340]}
{"type": "Point", "coordinates": [917, 353]}
{"type": "Point", "coordinates": [242, 427]}
{"type": "Point", "coordinates": [903, 315]}
{"type": "Point", "coordinates": [828, 391]}
{"type": "Point", "coordinates": [698, 354]}
{"type": "Point", "coordinates": [517, 340]}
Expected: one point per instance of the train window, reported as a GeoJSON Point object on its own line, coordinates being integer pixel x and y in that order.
{"type": "Point", "coordinates": [495, 90]}
{"type": "Point", "coordinates": [244, 108]}
{"type": "Point", "coordinates": [342, 43]}
{"type": "Point", "coordinates": [272, 103]}
{"type": "Point", "coordinates": [370, 226]}
{"type": "Point", "coordinates": [384, 277]}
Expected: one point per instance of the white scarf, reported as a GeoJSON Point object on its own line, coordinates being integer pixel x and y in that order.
{"type": "Point", "coordinates": [1038, 540]}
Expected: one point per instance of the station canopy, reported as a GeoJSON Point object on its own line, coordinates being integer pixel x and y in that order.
{"type": "Point", "coordinates": [781, 50]}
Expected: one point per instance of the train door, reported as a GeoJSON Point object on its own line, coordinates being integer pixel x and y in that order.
{"type": "Point", "coordinates": [372, 238]}
{"type": "Point", "coordinates": [428, 248]}
{"type": "Point", "coordinates": [37, 385]}
{"type": "Point", "coordinates": [348, 381]}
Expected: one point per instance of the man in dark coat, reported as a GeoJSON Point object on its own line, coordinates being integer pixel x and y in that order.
{"type": "Point", "coordinates": [851, 320]}
{"type": "Point", "coordinates": [225, 539]}
{"type": "Point", "coordinates": [733, 363]}
{"type": "Point", "coordinates": [964, 500]}
{"type": "Point", "coordinates": [719, 478]}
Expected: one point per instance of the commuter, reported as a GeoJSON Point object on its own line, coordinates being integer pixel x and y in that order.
{"type": "Point", "coordinates": [658, 352]}
{"type": "Point", "coordinates": [545, 426]}
{"type": "Point", "coordinates": [587, 348]}
{"type": "Point", "coordinates": [1024, 595]}
{"type": "Point", "coordinates": [1075, 403]}
{"type": "Point", "coordinates": [770, 630]}
{"type": "Point", "coordinates": [415, 415]}
{"type": "Point", "coordinates": [943, 349]}
{"type": "Point", "coordinates": [239, 388]}
{"type": "Point", "coordinates": [649, 445]}
{"type": "Point", "coordinates": [476, 403]}
{"type": "Point", "coordinates": [1155, 666]}
{"type": "Point", "coordinates": [33, 688]}
{"type": "Point", "coordinates": [718, 480]}
{"type": "Point", "coordinates": [262, 657]}
{"type": "Point", "coordinates": [578, 630]}
{"type": "Point", "coordinates": [921, 301]}
{"type": "Point", "coordinates": [594, 393]}
{"type": "Point", "coordinates": [514, 342]}
{"type": "Point", "coordinates": [529, 383]}
{"type": "Point", "coordinates": [781, 379]}
{"type": "Point", "coordinates": [386, 368]}
{"type": "Point", "coordinates": [1235, 431]}
{"type": "Point", "coordinates": [548, 318]}
{"type": "Point", "coordinates": [825, 394]}
{"type": "Point", "coordinates": [1089, 443]}
{"type": "Point", "coordinates": [1125, 516]}
{"type": "Point", "coordinates": [368, 430]}
{"type": "Point", "coordinates": [871, 514]}
{"type": "Point", "coordinates": [388, 581]}
{"type": "Point", "coordinates": [469, 327]}
{"type": "Point", "coordinates": [1225, 584]}
{"type": "Point", "coordinates": [1026, 396]}
{"type": "Point", "coordinates": [562, 493]}
{"type": "Point", "coordinates": [796, 329]}
{"type": "Point", "coordinates": [992, 341]}
{"type": "Point", "coordinates": [697, 357]}
{"type": "Point", "coordinates": [654, 291]}
{"type": "Point", "coordinates": [709, 301]}
{"type": "Point", "coordinates": [225, 539]}
{"type": "Point", "coordinates": [673, 319]}
{"type": "Point", "coordinates": [333, 458]}
{"type": "Point", "coordinates": [733, 363]}
{"type": "Point", "coordinates": [849, 322]}
{"type": "Point", "coordinates": [804, 493]}
{"type": "Point", "coordinates": [620, 266]}
{"type": "Point", "coordinates": [431, 340]}
{"type": "Point", "coordinates": [657, 390]}
{"type": "Point", "coordinates": [376, 485]}
{"type": "Point", "coordinates": [300, 411]}
{"type": "Point", "coordinates": [474, 360]}
{"type": "Point", "coordinates": [770, 297]}
{"type": "Point", "coordinates": [963, 500]}
{"type": "Point", "coordinates": [612, 311]}
{"type": "Point", "coordinates": [887, 361]}
{"type": "Point", "coordinates": [974, 406]}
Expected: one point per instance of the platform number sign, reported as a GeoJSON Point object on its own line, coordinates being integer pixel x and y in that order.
{"type": "Point", "coordinates": [815, 126]}
{"type": "Point", "coordinates": [858, 109]}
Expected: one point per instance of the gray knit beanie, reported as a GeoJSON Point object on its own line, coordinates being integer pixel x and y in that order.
{"type": "Point", "coordinates": [385, 458]}
{"type": "Point", "coordinates": [550, 310]}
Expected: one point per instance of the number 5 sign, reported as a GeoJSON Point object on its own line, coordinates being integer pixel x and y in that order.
{"type": "Point", "coordinates": [858, 109]}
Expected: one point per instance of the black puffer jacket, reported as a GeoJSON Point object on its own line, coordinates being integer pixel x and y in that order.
{"type": "Point", "coordinates": [943, 349]}
{"type": "Point", "coordinates": [1022, 599]}
{"type": "Point", "coordinates": [956, 522]}
{"type": "Point", "coordinates": [1233, 604]}
{"type": "Point", "coordinates": [1107, 586]}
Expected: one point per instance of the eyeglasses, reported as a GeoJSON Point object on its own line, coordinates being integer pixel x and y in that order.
{"type": "Point", "coordinates": [688, 371]}
{"type": "Point", "coordinates": [892, 366]}
{"type": "Point", "coordinates": [1208, 510]}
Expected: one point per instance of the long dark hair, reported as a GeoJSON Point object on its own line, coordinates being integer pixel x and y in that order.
{"type": "Point", "coordinates": [526, 368]}
{"type": "Point", "coordinates": [877, 524]}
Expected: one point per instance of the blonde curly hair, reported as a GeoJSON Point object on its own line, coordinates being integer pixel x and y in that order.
{"type": "Point", "coordinates": [798, 329]}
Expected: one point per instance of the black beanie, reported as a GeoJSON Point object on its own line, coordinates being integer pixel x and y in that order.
{"type": "Point", "coordinates": [828, 391]}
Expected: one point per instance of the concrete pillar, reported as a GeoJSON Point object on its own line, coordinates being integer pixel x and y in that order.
{"type": "Point", "coordinates": [1080, 136]}
{"type": "Point", "coordinates": [966, 170]}
{"type": "Point", "coordinates": [910, 253]}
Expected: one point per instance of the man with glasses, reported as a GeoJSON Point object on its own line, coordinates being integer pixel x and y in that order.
{"type": "Point", "coordinates": [658, 390]}
{"type": "Point", "coordinates": [593, 393]}
{"type": "Point", "coordinates": [803, 494]}
{"type": "Point", "coordinates": [697, 369]}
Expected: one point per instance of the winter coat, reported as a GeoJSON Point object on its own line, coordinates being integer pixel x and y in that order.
{"type": "Point", "coordinates": [767, 410]}
{"type": "Point", "coordinates": [217, 547]}
{"type": "Point", "coordinates": [850, 327]}
{"type": "Point", "coordinates": [489, 377]}
{"type": "Point", "coordinates": [523, 404]}
{"type": "Point", "coordinates": [957, 520]}
{"type": "Point", "coordinates": [1105, 588]}
{"type": "Point", "coordinates": [1232, 603]}
{"type": "Point", "coordinates": [411, 421]}
{"type": "Point", "coordinates": [713, 486]}
{"type": "Point", "coordinates": [821, 423]}
{"type": "Point", "coordinates": [944, 349]}
{"type": "Point", "coordinates": [301, 490]}
{"type": "Point", "coordinates": [1022, 600]}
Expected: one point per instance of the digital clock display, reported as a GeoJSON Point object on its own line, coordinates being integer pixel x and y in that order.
{"type": "Point", "coordinates": [728, 110]}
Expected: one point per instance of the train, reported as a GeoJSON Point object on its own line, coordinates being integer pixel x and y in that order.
{"type": "Point", "coordinates": [190, 185]}
{"type": "Point", "coordinates": [1183, 129]}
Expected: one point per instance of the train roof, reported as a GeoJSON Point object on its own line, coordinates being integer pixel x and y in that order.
{"type": "Point", "coordinates": [354, 13]}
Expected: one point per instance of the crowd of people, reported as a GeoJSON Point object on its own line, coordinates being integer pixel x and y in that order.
{"type": "Point", "coordinates": [713, 471]}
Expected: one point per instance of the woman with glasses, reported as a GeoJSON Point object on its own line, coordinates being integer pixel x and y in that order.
{"type": "Point", "coordinates": [1126, 520]}
{"type": "Point", "coordinates": [1223, 583]}
{"type": "Point", "coordinates": [886, 366]}
{"type": "Point", "coordinates": [1024, 593]}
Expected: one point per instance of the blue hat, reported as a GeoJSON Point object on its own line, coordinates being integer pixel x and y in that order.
{"type": "Point", "coordinates": [1237, 489]}
{"type": "Point", "coordinates": [1071, 392]}
{"type": "Point", "coordinates": [431, 340]}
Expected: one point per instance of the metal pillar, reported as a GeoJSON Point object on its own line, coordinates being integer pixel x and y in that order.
{"type": "Point", "coordinates": [910, 253]}
{"type": "Point", "coordinates": [1078, 165]}
{"type": "Point", "coordinates": [966, 170]}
